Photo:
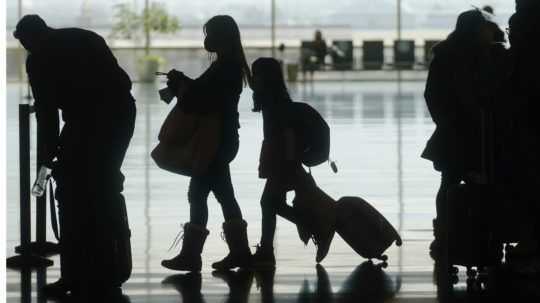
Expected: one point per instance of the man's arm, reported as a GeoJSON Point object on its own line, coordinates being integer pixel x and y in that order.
{"type": "Point", "coordinates": [43, 89]}
{"type": "Point", "coordinates": [48, 126]}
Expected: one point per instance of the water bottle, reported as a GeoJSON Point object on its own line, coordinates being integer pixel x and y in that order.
{"type": "Point", "coordinates": [41, 181]}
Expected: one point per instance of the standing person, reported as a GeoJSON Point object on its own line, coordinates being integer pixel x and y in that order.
{"type": "Point", "coordinates": [459, 82]}
{"type": "Point", "coordinates": [280, 162]}
{"type": "Point", "coordinates": [216, 90]}
{"type": "Point", "coordinates": [73, 70]}
{"type": "Point", "coordinates": [524, 28]}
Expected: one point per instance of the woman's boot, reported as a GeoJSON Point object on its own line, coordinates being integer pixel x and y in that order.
{"type": "Point", "coordinates": [236, 237]}
{"type": "Point", "coordinates": [189, 258]}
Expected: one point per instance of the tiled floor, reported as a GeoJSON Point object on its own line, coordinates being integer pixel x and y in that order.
{"type": "Point", "coordinates": [378, 132]}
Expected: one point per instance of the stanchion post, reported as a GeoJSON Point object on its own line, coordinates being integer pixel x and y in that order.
{"type": "Point", "coordinates": [24, 178]}
{"type": "Point", "coordinates": [26, 259]}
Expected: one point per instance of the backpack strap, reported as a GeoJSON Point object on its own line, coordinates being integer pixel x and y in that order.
{"type": "Point", "coordinates": [54, 217]}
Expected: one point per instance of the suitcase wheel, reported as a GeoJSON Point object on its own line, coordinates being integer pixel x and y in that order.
{"type": "Point", "coordinates": [383, 258]}
{"type": "Point", "coordinates": [384, 265]}
{"type": "Point", "coordinates": [454, 270]}
{"type": "Point", "coordinates": [471, 273]}
{"type": "Point", "coordinates": [454, 279]}
{"type": "Point", "coordinates": [508, 248]}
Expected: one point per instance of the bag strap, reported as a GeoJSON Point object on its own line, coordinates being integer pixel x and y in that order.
{"type": "Point", "coordinates": [54, 217]}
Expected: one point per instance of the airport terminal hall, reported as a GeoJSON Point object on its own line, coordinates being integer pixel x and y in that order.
{"type": "Point", "coordinates": [269, 151]}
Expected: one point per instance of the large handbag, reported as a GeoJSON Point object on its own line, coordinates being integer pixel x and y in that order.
{"type": "Point", "coordinates": [188, 142]}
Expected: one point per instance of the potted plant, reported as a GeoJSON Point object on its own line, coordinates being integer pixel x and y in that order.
{"type": "Point", "coordinates": [131, 25]}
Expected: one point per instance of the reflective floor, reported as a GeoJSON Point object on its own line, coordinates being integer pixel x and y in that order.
{"type": "Point", "coordinates": [378, 132]}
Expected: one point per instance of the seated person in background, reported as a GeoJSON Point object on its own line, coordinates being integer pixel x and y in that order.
{"type": "Point", "coordinates": [319, 47]}
{"type": "Point", "coordinates": [314, 53]}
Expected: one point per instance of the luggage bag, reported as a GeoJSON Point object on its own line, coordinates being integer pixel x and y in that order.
{"type": "Point", "coordinates": [364, 228]}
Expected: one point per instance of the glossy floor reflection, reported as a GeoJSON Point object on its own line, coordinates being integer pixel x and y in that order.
{"type": "Point", "coordinates": [378, 132]}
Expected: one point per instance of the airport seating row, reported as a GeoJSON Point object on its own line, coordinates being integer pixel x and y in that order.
{"type": "Point", "coordinates": [341, 55]}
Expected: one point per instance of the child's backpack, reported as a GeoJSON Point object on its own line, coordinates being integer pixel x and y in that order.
{"type": "Point", "coordinates": [314, 132]}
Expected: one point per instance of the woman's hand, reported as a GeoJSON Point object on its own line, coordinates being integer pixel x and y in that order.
{"type": "Point", "coordinates": [175, 79]}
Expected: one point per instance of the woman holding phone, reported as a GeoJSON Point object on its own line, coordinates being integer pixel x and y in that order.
{"type": "Point", "coordinates": [217, 90]}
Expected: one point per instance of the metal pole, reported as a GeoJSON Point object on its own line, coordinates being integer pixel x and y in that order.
{"type": "Point", "coordinates": [26, 286]}
{"type": "Point", "coordinates": [273, 27]}
{"type": "Point", "coordinates": [146, 29]}
{"type": "Point", "coordinates": [25, 259]}
{"type": "Point", "coordinates": [399, 19]}
{"type": "Point", "coordinates": [41, 202]}
{"type": "Point", "coordinates": [24, 176]}
{"type": "Point", "coordinates": [19, 48]}
{"type": "Point", "coordinates": [400, 168]}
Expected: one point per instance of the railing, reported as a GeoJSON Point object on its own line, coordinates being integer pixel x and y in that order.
{"type": "Point", "coordinates": [191, 61]}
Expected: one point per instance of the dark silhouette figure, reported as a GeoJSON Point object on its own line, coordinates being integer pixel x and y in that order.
{"type": "Point", "coordinates": [217, 90]}
{"type": "Point", "coordinates": [461, 79]}
{"type": "Point", "coordinates": [74, 71]}
{"type": "Point", "coordinates": [523, 32]}
{"type": "Point", "coordinates": [280, 162]}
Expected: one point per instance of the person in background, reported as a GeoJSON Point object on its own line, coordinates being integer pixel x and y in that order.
{"type": "Point", "coordinates": [319, 48]}
{"type": "Point", "coordinates": [217, 90]}
{"type": "Point", "coordinates": [73, 70]}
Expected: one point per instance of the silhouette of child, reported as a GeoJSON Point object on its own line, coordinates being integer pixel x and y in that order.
{"type": "Point", "coordinates": [279, 163]}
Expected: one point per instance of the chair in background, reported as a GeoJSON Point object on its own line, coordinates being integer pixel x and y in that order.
{"type": "Point", "coordinates": [404, 54]}
{"type": "Point", "coordinates": [373, 54]}
{"type": "Point", "coordinates": [342, 54]}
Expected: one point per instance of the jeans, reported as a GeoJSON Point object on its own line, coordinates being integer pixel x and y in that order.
{"type": "Point", "coordinates": [218, 181]}
{"type": "Point", "coordinates": [274, 202]}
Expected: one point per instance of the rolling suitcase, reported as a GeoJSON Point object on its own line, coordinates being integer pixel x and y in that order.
{"type": "Point", "coordinates": [112, 246]}
{"type": "Point", "coordinates": [364, 228]}
{"type": "Point", "coordinates": [473, 213]}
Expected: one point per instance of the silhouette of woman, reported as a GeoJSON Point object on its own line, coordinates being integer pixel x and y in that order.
{"type": "Point", "coordinates": [279, 162]}
{"type": "Point", "coordinates": [456, 86]}
{"type": "Point", "coordinates": [216, 90]}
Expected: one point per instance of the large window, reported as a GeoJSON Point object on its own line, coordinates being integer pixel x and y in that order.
{"type": "Point", "coordinates": [351, 22]}
{"type": "Point", "coordinates": [358, 19]}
